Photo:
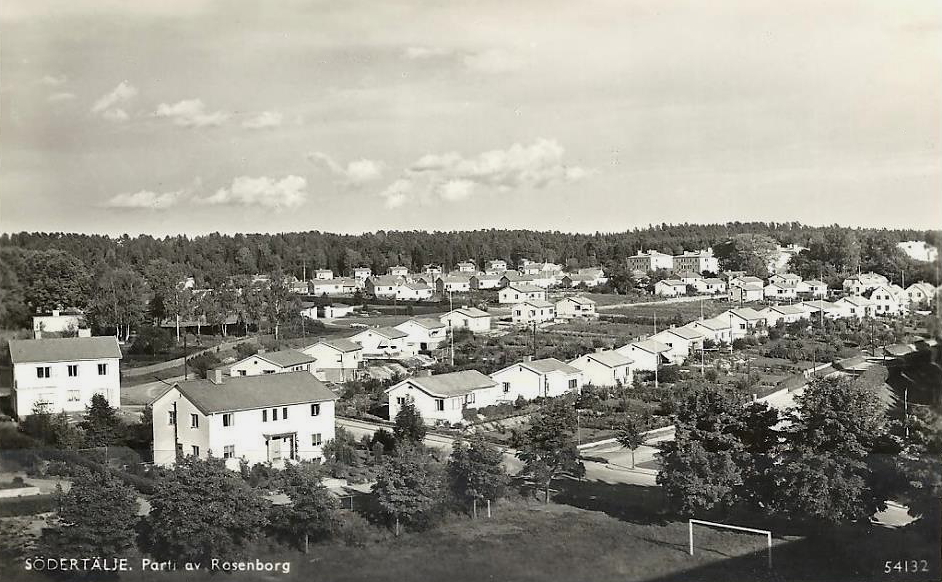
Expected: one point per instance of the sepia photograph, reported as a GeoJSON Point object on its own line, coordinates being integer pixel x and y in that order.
{"type": "Point", "coordinates": [467, 291]}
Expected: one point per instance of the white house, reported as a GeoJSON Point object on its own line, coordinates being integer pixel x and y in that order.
{"type": "Point", "coordinates": [277, 362]}
{"type": "Point", "coordinates": [711, 286]}
{"type": "Point", "coordinates": [647, 354]}
{"type": "Point", "coordinates": [604, 368]}
{"type": "Point", "coordinates": [784, 313]}
{"type": "Point", "coordinates": [860, 284]}
{"type": "Point", "coordinates": [495, 266]}
{"type": "Point", "coordinates": [715, 329]}
{"type": "Point", "coordinates": [539, 268]}
{"type": "Point", "coordinates": [813, 288]}
{"type": "Point", "coordinates": [517, 292]}
{"type": "Point", "coordinates": [781, 290]}
{"type": "Point", "coordinates": [335, 310]}
{"type": "Point", "coordinates": [398, 271]}
{"type": "Point", "coordinates": [453, 283]}
{"type": "Point", "coordinates": [274, 419]}
{"type": "Point", "coordinates": [888, 300]}
{"type": "Point", "coordinates": [470, 318]}
{"type": "Point", "coordinates": [533, 311]}
{"type": "Point", "coordinates": [587, 280]}
{"type": "Point", "coordinates": [467, 267]}
{"type": "Point", "coordinates": [689, 278]}
{"type": "Point", "coordinates": [649, 261]}
{"type": "Point", "coordinates": [818, 309]}
{"type": "Point", "coordinates": [921, 294]}
{"type": "Point", "coordinates": [746, 289]}
{"type": "Point", "coordinates": [332, 286]}
{"type": "Point", "coordinates": [787, 278]}
{"type": "Point", "coordinates": [443, 397]}
{"type": "Point", "coordinates": [383, 342]}
{"type": "Point", "coordinates": [362, 273]}
{"type": "Point", "coordinates": [424, 333]}
{"type": "Point", "coordinates": [575, 306]}
{"type": "Point", "coordinates": [681, 341]}
{"type": "Point", "coordinates": [697, 261]}
{"type": "Point", "coordinates": [856, 306]}
{"type": "Point", "coordinates": [418, 291]}
{"type": "Point", "coordinates": [309, 310]}
{"type": "Point", "coordinates": [384, 286]}
{"type": "Point", "coordinates": [336, 360]}
{"type": "Point", "coordinates": [548, 377]}
{"type": "Point", "coordinates": [62, 374]}
{"type": "Point", "coordinates": [486, 281]}
{"type": "Point", "coordinates": [744, 321]}
{"type": "Point", "coordinates": [432, 270]}
{"type": "Point", "coordinates": [544, 279]}
{"type": "Point", "coordinates": [323, 275]}
{"type": "Point", "coordinates": [58, 323]}
{"type": "Point", "coordinates": [670, 288]}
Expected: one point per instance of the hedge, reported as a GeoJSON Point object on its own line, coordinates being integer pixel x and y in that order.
{"type": "Point", "coordinates": [31, 505]}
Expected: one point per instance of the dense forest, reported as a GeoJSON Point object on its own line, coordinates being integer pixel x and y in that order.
{"type": "Point", "coordinates": [41, 271]}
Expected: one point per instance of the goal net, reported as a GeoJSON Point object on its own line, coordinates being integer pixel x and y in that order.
{"type": "Point", "coordinates": [766, 533]}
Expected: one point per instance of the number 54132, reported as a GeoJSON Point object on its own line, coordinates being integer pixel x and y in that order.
{"type": "Point", "coordinates": [905, 566]}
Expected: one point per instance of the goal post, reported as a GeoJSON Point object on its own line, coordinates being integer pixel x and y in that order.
{"type": "Point", "coordinates": [765, 532]}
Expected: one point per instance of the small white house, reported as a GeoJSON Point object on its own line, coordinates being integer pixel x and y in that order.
{"type": "Point", "coordinates": [715, 329]}
{"type": "Point", "coordinates": [336, 360]}
{"type": "Point", "coordinates": [921, 294]}
{"type": "Point", "coordinates": [681, 341]}
{"type": "Point", "coordinates": [471, 318]}
{"type": "Point", "coordinates": [517, 292]}
{"type": "Point", "coordinates": [277, 362]}
{"type": "Point", "coordinates": [746, 289]}
{"type": "Point", "coordinates": [398, 271]}
{"type": "Point", "coordinates": [495, 266]}
{"type": "Point", "coordinates": [323, 275]}
{"type": "Point", "coordinates": [467, 267]}
{"type": "Point", "coordinates": [384, 286]}
{"type": "Point", "coordinates": [670, 288]}
{"type": "Point", "coordinates": [443, 397]}
{"type": "Point", "coordinates": [533, 312]}
{"type": "Point", "coordinates": [277, 419]}
{"type": "Point", "coordinates": [781, 290]}
{"type": "Point", "coordinates": [57, 324]}
{"type": "Point", "coordinates": [604, 368]}
{"type": "Point", "coordinates": [860, 284]}
{"type": "Point", "coordinates": [575, 306]}
{"type": "Point", "coordinates": [383, 342]}
{"type": "Point", "coordinates": [783, 313]}
{"type": "Point", "coordinates": [63, 374]}
{"type": "Point", "coordinates": [424, 333]}
{"type": "Point", "coordinates": [856, 306]}
{"type": "Point", "coordinates": [888, 300]}
{"type": "Point", "coordinates": [335, 310]}
{"type": "Point", "coordinates": [818, 309]}
{"type": "Point", "coordinates": [744, 321]}
{"type": "Point", "coordinates": [711, 286]}
{"type": "Point", "coordinates": [813, 288]}
{"type": "Point", "coordinates": [418, 291]}
{"type": "Point", "coordinates": [330, 286]}
{"type": "Point", "coordinates": [647, 354]}
{"type": "Point", "coordinates": [362, 273]}
{"type": "Point", "coordinates": [453, 283]}
{"type": "Point", "coordinates": [486, 281]}
{"type": "Point", "coordinates": [548, 377]}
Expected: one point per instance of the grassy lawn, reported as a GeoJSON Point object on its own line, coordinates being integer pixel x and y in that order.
{"type": "Point", "coordinates": [683, 312]}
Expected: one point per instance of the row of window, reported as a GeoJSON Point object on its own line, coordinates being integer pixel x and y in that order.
{"type": "Point", "coordinates": [228, 451]}
{"type": "Point", "coordinates": [71, 369]}
{"type": "Point", "coordinates": [228, 418]}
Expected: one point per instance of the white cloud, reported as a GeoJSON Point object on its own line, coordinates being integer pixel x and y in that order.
{"type": "Point", "coordinates": [116, 114]}
{"type": "Point", "coordinates": [424, 52]}
{"type": "Point", "coordinates": [54, 81]}
{"type": "Point", "coordinates": [452, 177]}
{"type": "Point", "coordinates": [123, 93]}
{"type": "Point", "coordinates": [191, 113]}
{"type": "Point", "coordinates": [64, 96]}
{"type": "Point", "coordinates": [145, 199]}
{"type": "Point", "coordinates": [264, 120]}
{"type": "Point", "coordinates": [493, 61]}
{"type": "Point", "coordinates": [355, 173]}
{"type": "Point", "coordinates": [289, 192]}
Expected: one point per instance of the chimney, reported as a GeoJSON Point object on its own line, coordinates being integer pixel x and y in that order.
{"type": "Point", "coordinates": [216, 378]}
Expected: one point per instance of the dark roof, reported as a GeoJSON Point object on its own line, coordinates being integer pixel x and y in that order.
{"type": "Point", "coordinates": [253, 392]}
{"type": "Point", "coordinates": [64, 349]}
{"type": "Point", "coordinates": [285, 358]}
{"type": "Point", "coordinates": [452, 384]}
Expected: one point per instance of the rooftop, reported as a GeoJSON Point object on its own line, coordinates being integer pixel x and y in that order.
{"type": "Point", "coordinates": [284, 358]}
{"type": "Point", "coordinates": [254, 392]}
{"type": "Point", "coordinates": [525, 288]}
{"type": "Point", "coordinates": [451, 384]}
{"type": "Point", "coordinates": [610, 358]}
{"type": "Point", "coordinates": [64, 349]}
{"type": "Point", "coordinates": [470, 312]}
{"type": "Point", "coordinates": [652, 346]}
{"type": "Point", "coordinates": [341, 345]}
{"type": "Point", "coordinates": [547, 365]}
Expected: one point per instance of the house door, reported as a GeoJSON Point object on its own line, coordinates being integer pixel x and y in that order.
{"type": "Point", "coordinates": [423, 346]}
{"type": "Point", "coordinates": [274, 449]}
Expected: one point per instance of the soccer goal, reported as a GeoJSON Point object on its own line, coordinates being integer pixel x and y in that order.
{"type": "Point", "coordinates": [766, 533]}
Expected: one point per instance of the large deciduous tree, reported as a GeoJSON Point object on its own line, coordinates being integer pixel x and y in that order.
{"type": "Point", "coordinates": [101, 424]}
{"type": "Point", "coordinates": [751, 253]}
{"type": "Point", "coordinates": [117, 300]}
{"type": "Point", "coordinates": [548, 447]}
{"type": "Point", "coordinates": [312, 513]}
{"type": "Point", "coordinates": [410, 427]}
{"type": "Point", "coordinates": [476, 472]}
{"type": "Point", "coordinates": [408, 485]}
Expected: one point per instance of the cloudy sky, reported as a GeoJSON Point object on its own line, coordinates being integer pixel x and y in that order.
{"type": "Point", "coordinates": [194, 116]}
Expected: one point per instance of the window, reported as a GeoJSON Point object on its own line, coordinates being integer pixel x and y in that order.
{"type": "Point", "coordinates": [316, 439]}
{"type": "Point", "coordinates": [227, 419]}
{"type": "Point", "coordinates": [401, 400]}
{"type": "Point", "coordinates": [315, 410]}
{"type": "Point", "coordinates": [196, 451]}
{"type": "Point", "coordinates": [194, 421]}
{"type": "Point", "coordinates": [264, 416]}
{"type": "Point", "coordinates": [102, 369]}
{"type": "Point", "coordinates": [73, 395]}
{"type": "Point", "coordinates": [268, 371]}
{"type": "Point", "coordinates": [506, 387]}
{"type": "Point", "coordinates": [228, 452]}
{"type": "Point", "coordinates": [469, 399]}
{"type": "Point", "coordinates": [572, 384]}
{"type": "Point", "coordinates": [274, 414]}
{"type": "Point", "coordinates": [73, 370]}
{"type": "Point", "coordinates": [284, 413]}
{"type": "Point", "coordinates": [171, 417]}
{"type": "Point", "coordinates": [242, 372]}
{"type": "Point", "coordinates": [439, 404]}
{"type": "Point", "coordinates": [42, 372]}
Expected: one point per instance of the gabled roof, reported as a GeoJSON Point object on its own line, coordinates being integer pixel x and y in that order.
{"type": "Point", "coordinates": [684, 332]}
{"type": "Point", "coordinates": [538, 303]}
{"type": "Point", "coordinates": [787, 309]}
{"type": "Point", "coordinates": [689, 275]}
{"type": "Point", "coordinates": [579, 299]}
{"type": "Point", "coordinates": [819, 305]}
{"type": "Point", "coordinates": [456, 278]}
{"type": "Point", "coordinates": [609, 358]}
{"type": "Point", "coordinates": [714, 281]}
{"type": "Point", "coordinates": [283, 358]}
{"type": "Point", "coordinates": [417, 286]}
{"type": "Point", "coordinates": [650, 346]}
{"type": "Point", "coordinates": [747, 313]}
{"type": "Point", "coordinates": [341, 345]}
{"type": "Point", "coordinates": [672, 282]}
{"type": "Point", "coordinates": [451, 384]}
{"type": "Point", "coordinates": [488, 277]}
{"type": "Point", "coordinates": [64, 349]}
{"type": "Point", "coordinates": [856, 301]}
{"type": "Point", "coordinates": [469, 312]}
{"type": "Point", "coordinates": [544, 366]}
{"type": "Point", "coordinates": [386, 332]}
{"type": "Point", "coordinates": [748, 279]}
{"type": "Point", "coordinates": [714, 324]}
{"type": "Point", "coordinates": [524, 288]}
{"type": "Point", "coordinates": [254, 392]}
{"type": "Point", "coordinates": [815, 283]}
{"type": "Point", "coordinates": [426, 322]}
{"type": "Point", "coordinates": [386, 280]}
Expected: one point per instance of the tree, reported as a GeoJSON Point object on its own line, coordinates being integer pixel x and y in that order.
{"type": "Point", "coordinates": [341, 450]}
{"type": "Point", "coordinates": [630, 434]}
{"type": "Point", "coordinates": [53, 429]}
{"type": "Point", "coordinates": [407, 485]}
{"type": "Point", "coordinates": [409, 424]}
{"type": "Point", "coordinates": [751, 253]}
{"type": "Point", "coordinates": [101, 424]}
{"type": "Point", "coordinates": [476, 472]}
{"type": "Point", "coordinates": [54, 279]}
{"type": "Point", "coordinates": [548, 447]}
{"type": "Point", "coordinates": [824, 473]}
{"type": "Point", "coordinates": [313, 509]}
{"type": "Point", "coordinates": [152, 340]}
{"type": "Point", "coordinates": [97, 517]}
{"type": "Point", "coordinates": [117, 300]}
{"type": "Point", "coordinates": [200, 510]}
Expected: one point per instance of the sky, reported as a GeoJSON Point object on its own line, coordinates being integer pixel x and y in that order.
{"type": "Point", "coordinates": [196, 116]}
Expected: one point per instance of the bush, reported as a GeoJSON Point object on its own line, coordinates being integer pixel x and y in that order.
{"type": "Point", "coordinates": [355, 530]}
{"type": "Point", "coordinates": [152, 341]}
{"type": "Point", "coordinates": [246, 349]}
{"type": "Point", "coordinates": [31, 505]}
{"type": "Point", "coordinates": [202, 363]}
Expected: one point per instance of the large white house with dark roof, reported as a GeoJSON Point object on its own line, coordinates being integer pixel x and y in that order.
{"type": "Point", "coordinates": [275, 418]}
{"type": "Point", "coordinates": [604, 368]}
{"type": "Point", "coordinates": [277, 362]}
{"type": "Point", "coordinates": [531, 379]}
{"type": "Point", "coordinates": [443, 397]}
{"type": "Point", "coordinates": [336, 360]}
{"type": "Point", "coordinates": [63, 374]}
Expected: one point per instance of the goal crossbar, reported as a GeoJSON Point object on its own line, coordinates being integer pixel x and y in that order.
{"type": "Point", "coordinates": [765, 532]}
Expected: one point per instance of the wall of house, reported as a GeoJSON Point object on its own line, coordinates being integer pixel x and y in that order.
{"type": "Point", "coordinates": [475, 324]}
{"type": "Point", "coordinates": [254, 367]}
{"type": "Point", "coordinates": [522, 382]}
{"type": "Point", "coordinates": [599, 375]}
{"type": "Point", "coordinates": [58, 390]}
{"type": "Point", "coordinates": [425, 404]}
{"type": "Point", "coordinates": [333, 365]}
{"type": "Point", "coordinates": [377, 345]}
{"type": "Point", "coordinates": [164, 450]}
